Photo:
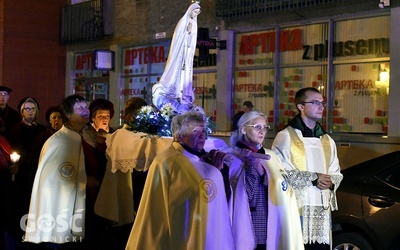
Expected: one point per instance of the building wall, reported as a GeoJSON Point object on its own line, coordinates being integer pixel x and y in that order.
{"type": "Point", "coordinates": [136, 22]}
{"type": "Point", "coordinates": [32, 62]}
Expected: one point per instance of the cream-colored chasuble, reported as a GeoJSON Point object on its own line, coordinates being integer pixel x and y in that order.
{"type": "Point", "coordinates": [57, 208]}
{"type": "Point", "coordinates": [284, 228]}
{"type": "Point", "coordinates": [183, 206]}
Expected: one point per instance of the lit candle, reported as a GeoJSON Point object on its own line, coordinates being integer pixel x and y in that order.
{"type": "Point", "coordinates": [14, 159]}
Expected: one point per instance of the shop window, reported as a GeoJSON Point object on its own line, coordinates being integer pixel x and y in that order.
{"type": "Point", "coordinates": [361, 39]}
{"type": "Point", "coordinates": [89, 82]}
{"type": "Point", "coordinates": [255, 49]}
{"type": "Point", "coordinates": [142, 68]}
{"type": "Point", "coordinates": [256, 86]}
{"type": "Point", "coordinates": [306, 44]}
{"type": "Point", "coordinates": [361, 75]}
{"type": "Point", "coordinates": [205, 92]}
{"type": "Point", "coordinates": [361, 96]}
{"type": "Point", "coordinates": [293, 79]}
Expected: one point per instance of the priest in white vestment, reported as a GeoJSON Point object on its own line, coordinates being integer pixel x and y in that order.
{"type": "Point", "coordinates": [309, 156]}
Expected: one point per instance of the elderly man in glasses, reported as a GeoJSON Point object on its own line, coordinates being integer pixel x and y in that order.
{"type": "Point", "coordinates": [309, 156]}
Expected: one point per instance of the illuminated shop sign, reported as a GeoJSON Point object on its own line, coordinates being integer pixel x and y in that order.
{"type": "Point", "coordinates": [291, 40]}
{"type": "Point", "coordinates": [144, 55]}
{"type": "Point", "coordinates": [83, 61]}
{"type": "Point", "coordinates": [375, 46]}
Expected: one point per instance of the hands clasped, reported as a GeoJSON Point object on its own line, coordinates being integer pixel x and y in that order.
{"type": "Point", "coordinates": [324, 181]}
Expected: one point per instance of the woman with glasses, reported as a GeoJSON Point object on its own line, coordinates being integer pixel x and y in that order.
{"type": "Point", "coordinates": [22, 138]}
{"type": "Point", "coordinates": [270, 221]}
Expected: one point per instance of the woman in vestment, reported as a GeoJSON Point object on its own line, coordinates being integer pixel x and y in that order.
{"type": "Point", "coordinates": [57, 208]}
{"type": "Point", "coordinates": [185, 199]}
{"type": "Point", "coordinates": [270, 219]}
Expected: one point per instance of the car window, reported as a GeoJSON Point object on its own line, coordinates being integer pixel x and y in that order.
{"type": "Point", "coordinates": [391, 176]}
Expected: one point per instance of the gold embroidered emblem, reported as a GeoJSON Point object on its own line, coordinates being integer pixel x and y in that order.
{"type": "Point", "coordinates": [67, 171]}
{"type": "Point", "coordinates": [208, 190]}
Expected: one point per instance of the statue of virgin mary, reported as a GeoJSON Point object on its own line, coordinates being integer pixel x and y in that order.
{"type": "Point", "coordinates": [175, 85]}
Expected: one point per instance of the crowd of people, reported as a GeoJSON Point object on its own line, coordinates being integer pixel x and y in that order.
{"type": "Point", "coordinates": [80, 184]}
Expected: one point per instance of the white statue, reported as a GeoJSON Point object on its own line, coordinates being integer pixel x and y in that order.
{"type": "Point", "coordinates": [175, 85]}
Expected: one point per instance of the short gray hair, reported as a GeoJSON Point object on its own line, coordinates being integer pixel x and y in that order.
{"type": "Point", "coordinates": [180, 123]}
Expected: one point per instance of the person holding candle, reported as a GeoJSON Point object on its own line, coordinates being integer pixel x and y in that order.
{"type": "Point", "coordinates": [7, 160]}
{"type": "Point", "coordinates": [22, 138]}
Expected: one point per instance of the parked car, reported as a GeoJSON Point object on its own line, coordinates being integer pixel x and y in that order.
{"type": "Point", "coordinates": [369, 205]}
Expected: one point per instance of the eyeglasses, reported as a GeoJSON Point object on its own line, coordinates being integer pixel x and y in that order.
{"type": "Point", "coordinates": [3, 94]}
{"type": "Point", "coordinates": [259, 127]}
{"type": "Point", "coordinates": [316, 103]}
{"type": "Point", "coordinates": [30, 109]}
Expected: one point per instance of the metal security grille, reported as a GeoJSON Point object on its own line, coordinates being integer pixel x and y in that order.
{"type": "Point", "coordinates": [82, 22]}
{"type": "Point", "coordinates": [230, 9]}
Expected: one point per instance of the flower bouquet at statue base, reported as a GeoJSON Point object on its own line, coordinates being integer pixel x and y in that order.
{"type": "Point", "coordinates": [157, 122]}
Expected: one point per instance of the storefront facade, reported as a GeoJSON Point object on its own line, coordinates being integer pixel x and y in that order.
{"type": "Point", "coordinates": [347, 58]}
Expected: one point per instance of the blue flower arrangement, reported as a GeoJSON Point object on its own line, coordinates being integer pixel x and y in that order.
{"type": "Point", "coordinates": [152, 121]}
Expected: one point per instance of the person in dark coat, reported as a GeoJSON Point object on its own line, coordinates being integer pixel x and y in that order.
{"type": "Point", "coordinates": [247, 106]}
{"type": "Point", "coordinates": [22, 138]}
{"type": "Point", "coordinates": [94, 148]}
{"type": "Point", "coordinates": [6, 168]}
{"type": "Point", "coordinates": [9, 117]}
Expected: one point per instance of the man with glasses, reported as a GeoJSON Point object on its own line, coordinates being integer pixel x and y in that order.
{"type": "Point", "coordinates": [8, 116]}
{"type": "Point", "coordinates": [309, 156]}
